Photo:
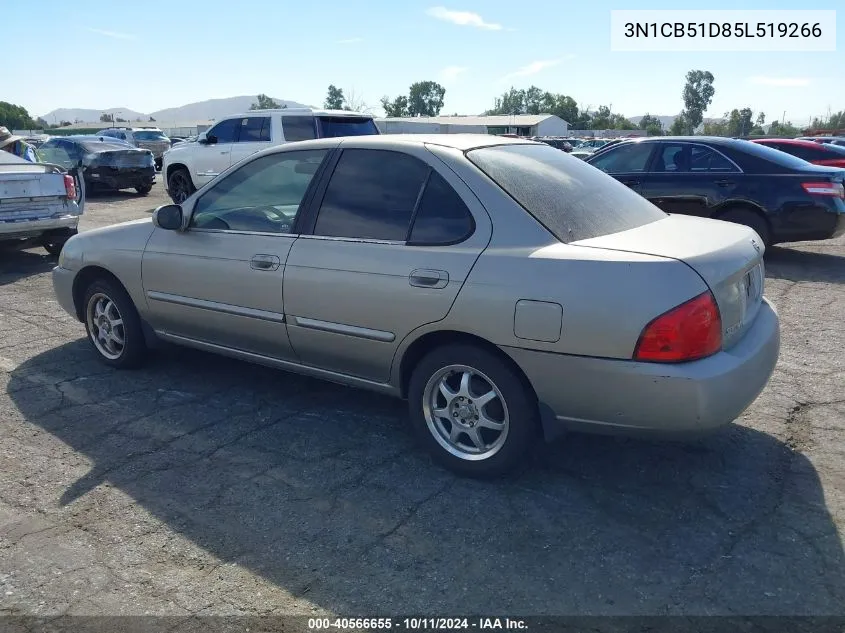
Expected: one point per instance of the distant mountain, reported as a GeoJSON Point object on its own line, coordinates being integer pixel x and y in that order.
{"type": "Point", "coordinates": [214, 109]}
{"type": "Point", "coordinates": [200, 111]}
{"type": "Point", "coordinates": [87, 115]}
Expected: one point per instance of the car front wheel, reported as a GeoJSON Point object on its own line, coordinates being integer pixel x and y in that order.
{"type": "Point", "coordinates": [472, 411]}
{"type": "Point", "coordinates": [113, 325]}
{"type": "Point", "coordinates": [143, 190]}
{"type": "Point", "coordinates": [179, 185]}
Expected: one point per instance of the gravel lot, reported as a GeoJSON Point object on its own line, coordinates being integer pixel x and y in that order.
{"type": "Point", "coordinates": [201, 485]}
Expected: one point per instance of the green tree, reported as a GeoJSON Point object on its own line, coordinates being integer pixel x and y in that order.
{"type": "Point", "coordinates": [601, 119]}
{"type": "Point", "coordinates": [561, 106]}
{"type": "Point", "coordinates": [783, 129]}
{"type": "Point", "coordinates": [834, 121]}
{"type": "Point", "coordinates": [651, 124]}
{"type": "Point", "coordinates": [761, 119]}
{"type": "Point", "coordinates": [396, 108]}
{"type": "Point", "coordinates": [534, 100]}
{"type": "Point", "coordinates": [511, 102]}
{"type": "Point", "coordinates": [106, 118]}
{"type": "Point", "coordinates": [717, 127]}
{"type": "Point", "coordinates": [425, 98]}
{"type": "Point", "coordinates": [680, 126]}
{"type": "Point", "coordinates": [334, 99]}
{"type": "Point", "coordinates": [263, 102]}
{"type": "Point", "coordinates": [746, 122]}
{"type": "Point", "coordinates": [697, 95]}
{"type": "Point", "coordinates": [15, 117]}
{"type": "Point", "coordinates": [152, 120]}
{"type": "Point", "coordinates": [619, 122]}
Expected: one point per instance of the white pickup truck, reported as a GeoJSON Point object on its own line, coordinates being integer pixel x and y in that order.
{"type": "Point", "coordinates": [38, 201]}
{"type": "Point", "coordinates": [188, 166]}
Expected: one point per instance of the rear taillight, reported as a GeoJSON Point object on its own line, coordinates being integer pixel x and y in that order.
{"type": "Point", "coordinates": [691, 331]}
{"type": "Point", "coordinates": [70, 187]}
{"type": "Point", "coordinates": [832, 189]}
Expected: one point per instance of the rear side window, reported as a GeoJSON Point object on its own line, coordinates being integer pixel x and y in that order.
{"type": "Point", "coordinates": [442, 217]}
{"type": "Point", "coordinates": [331, 127]}
{"type": "Point", "coordinates": [255, 129]}
{"type": "Point", "coordinates": [371, 195]}
{"type": "Point", "coordinates": [569, 197]}
{"type": "Point", "coordinates": [298, 128]}
{"type": "Point", "coordinates": [632, 157]}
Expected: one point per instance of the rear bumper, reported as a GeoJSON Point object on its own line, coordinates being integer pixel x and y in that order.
{"type": "Point", "coordinates": [120, 180]}
{"type": "Point", "coordinates": [35, 228]}
{"type": "Point", "coordinates": [810, 223]}
{"type": "Point", "coordinates": [620, 396]}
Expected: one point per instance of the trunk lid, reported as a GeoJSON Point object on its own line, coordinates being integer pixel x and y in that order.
{"type": "Point", "coordinates": [728, 257]}
{"type": "Point", "coordinates": [29, 195]}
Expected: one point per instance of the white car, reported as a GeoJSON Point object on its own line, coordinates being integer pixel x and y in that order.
{"type": "Point", "coordinates": [190, 165]}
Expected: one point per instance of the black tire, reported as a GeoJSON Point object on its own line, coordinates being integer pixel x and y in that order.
{"type": "Point", "coordinates": [750, 219]}
{"type": "Point", "coordinates": [521, 418]}
{"type": "Point", "coordinates": [54, 244]}
{"type": "Point", "coordinates": [134, 349]}
{"type": "Point", "coordinates": [144, 189]}
{"type": "Point", "coordinates": [179, 185]}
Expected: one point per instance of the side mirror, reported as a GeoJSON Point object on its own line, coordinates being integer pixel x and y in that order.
{"type": "Point", "coordinates": [207, 140]}
{"type": "Point", "coordinates": [168, 217]}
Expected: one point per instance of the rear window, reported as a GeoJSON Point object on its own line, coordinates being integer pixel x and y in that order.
{"type": "Point", "coordinates": [572, 199]}
{"type": "Point", "coordinates": [102, 146]}
{"type": "Point", "coordinates": [149, 135]}
{"type": "Point", "coordinates": [770, 155]}
{"type": "Point", "coordinates": [331, 127]}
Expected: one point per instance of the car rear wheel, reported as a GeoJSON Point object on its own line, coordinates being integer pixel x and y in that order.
{"type": "Point", "coordinates": [179, 185]}
{"type": "Point", "coordinates": [144, 189]}
{"type": "Point", "coordinates": [472, 411]}
{"type": "Point", "coordinates": [752, 220]}
{"type": "Point", "coordinates": [113, 325]}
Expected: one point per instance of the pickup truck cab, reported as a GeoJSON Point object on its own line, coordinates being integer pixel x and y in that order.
{"type": "Point", "coordinates": [38, 201]}
{"type": "Point", "coordinates": [189, 165]}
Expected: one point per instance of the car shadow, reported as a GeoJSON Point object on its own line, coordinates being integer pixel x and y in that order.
{"type": "Point", "coordinates": [321, 490]}
{"type": "Point", "coordinates": [19, 261]}
{"type": "Point", "coordinates": [800, 265]}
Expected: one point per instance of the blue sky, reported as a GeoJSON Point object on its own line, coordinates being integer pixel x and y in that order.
{"type": "Point", "coordinates": [156, 54]}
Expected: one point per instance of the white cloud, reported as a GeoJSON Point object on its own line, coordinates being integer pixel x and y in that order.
{"type": "Point", "coordinates": [113, 34]}
{"type": "Point", "coordinates": [781, 82]}
{"type": "Point", "coordinates": [351, 40]}
{"type": "Point", "coordinates": [535, 67]}
{"type": "Point", "coordinates": [462, 18]}
{"type": "Point", "coordinates": [451, 73]}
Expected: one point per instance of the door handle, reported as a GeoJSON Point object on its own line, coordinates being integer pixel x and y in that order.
{"type": "Point", "coordinates": [724, 182]}
{"type": "Point", "coordinates": [427, 278]}
{"type": "Point", "coordinates": [264, 262]}
{"type": "Point", "coordinates": [630, 183]}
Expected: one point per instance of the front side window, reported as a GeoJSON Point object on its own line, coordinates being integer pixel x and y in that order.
{"type": "Point", "coordinates": [225, 131]}
{"type": "Point", "coordinates": [255, 129]}
{"type": "Point", "coordinates": [262, 196]}
{"type": "Point", "coordinates": [372, 195]}
{"type": "Point", "coordinates": [298, 128]}
{"type": "Point", "coordinates": [625, 158]}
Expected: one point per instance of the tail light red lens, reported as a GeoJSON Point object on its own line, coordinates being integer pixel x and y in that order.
{"type": "Point", "coordinates": [833, 189]}
{"type": "Point", "coordinates": [691, 331]}
{"type": "Point", "coordinates": [70, 187]}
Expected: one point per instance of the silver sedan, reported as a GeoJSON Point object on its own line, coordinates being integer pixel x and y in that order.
{"type": "Point", "coordinates": [506, 289]}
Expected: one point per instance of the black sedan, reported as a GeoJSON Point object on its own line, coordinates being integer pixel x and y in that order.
{"type": "Point", "coordinates": [783, 198]}
{"type": "Point", "coordinates": [106, 163]}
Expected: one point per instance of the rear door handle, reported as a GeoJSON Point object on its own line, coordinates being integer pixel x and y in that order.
{"type": "Point", "coordinates": [630, 183]}
{"type": "Point", "coordinates": [427, 278]}
{"type": "Point", "coordinates": [724, 183]}
{"type": "Point", "coordinates": [265, 262]}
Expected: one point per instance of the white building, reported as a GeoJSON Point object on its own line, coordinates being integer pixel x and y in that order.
{"type": "Point", "coordinates": [520, 124]}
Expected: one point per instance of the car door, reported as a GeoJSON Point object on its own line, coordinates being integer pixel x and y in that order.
{"type": "Point", "coordinates": [689, 178]}
{"type": "Point", "coordinates": [253, 136]}
{"type": "Point", "coordinates": [392, 242]}
{"type": "Point", "coordinates": [214, 155]}
{"type": "Point", "coordinates": [626, 162]}
{"type": "Point", "coordinates": [220, 280]}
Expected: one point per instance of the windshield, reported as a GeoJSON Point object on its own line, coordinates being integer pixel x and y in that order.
{"type": "Point", "coordinates": [149, 135]}
{"type": "Point", "coordinates": [330, 127]}
{"type": "Point", "coordinates": [572, 199]}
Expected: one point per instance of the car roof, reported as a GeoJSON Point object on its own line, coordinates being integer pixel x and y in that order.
{"type": "Point", "coordinates": [461, 142]}
{"type": "Point", "coordinates": [298, 112]}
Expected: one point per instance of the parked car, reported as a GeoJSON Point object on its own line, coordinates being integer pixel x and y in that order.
{"type": "Point", "coordinates": [832, 140]}
{"type": "Point", "coordinates": [150, 138]}
{"type": "Point", "coordinates": [816, 153]}
{"type": "Point", "coordinates": [781, 197]}
{"type": "Point", "coordinates": [507, 290]}
{"type": "Point", "coordinates": [557, 143]}
{"type": "Point", "coordinates": [189, 166]}
{"type": "Point", "coordinates": [105, 163]}
{"type": "Point", "coordinates": [38, 202]}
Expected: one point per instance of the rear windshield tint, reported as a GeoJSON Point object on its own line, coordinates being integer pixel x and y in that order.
{"type": "Point", "coordinates": [769, 154]}
{"type": "Point", "coordinates": [572, 199]}
{"type": "Point", "coordinates": [105, 146]}
{"type": "Point", "coordinates": [331, 127]}
{"type": "Point", "coordinates": [149, 136]}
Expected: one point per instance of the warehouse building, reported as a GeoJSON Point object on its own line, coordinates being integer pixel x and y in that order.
{"type": "Point", "coordinates": [519, 124]}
